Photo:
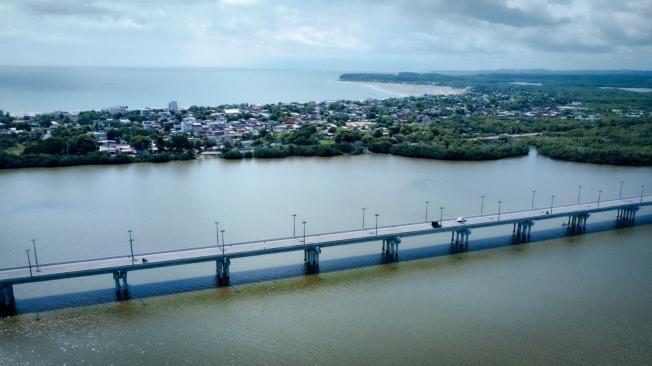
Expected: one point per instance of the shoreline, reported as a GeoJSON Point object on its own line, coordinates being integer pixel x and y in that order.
{"type": "Point", "coordinates": [410, 90]}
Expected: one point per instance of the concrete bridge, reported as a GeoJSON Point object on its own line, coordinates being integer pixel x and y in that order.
{"type": "Point", "coordinates": [312, 245]}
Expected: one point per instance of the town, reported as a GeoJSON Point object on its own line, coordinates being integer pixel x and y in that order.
{"type": "Point", "coordinates": [474, 125]}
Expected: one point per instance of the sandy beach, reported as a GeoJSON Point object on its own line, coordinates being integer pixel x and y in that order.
{"type": "Point", "coordinates": [408, 90]}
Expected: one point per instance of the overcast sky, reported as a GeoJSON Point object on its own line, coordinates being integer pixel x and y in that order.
{"type": "Point", "coordinates": [372, 35]}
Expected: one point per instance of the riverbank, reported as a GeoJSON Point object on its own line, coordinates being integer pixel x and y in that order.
{"type": "Point", "coordinates": [10, 161]}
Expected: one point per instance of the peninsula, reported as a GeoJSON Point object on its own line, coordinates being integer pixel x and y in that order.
{"type": "Point", "coordinates": [570, 116]}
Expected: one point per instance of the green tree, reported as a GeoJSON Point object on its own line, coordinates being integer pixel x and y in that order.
{"type": "Point", "coordinates": [180, 142]}
{"type": "Point", "coordinates": [141, 143]}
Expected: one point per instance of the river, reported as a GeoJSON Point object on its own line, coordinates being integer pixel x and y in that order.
{"type": "Point", "coordinates": [580, 299]}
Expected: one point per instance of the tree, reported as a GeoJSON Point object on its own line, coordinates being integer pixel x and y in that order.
{"type": "Point", "coordinates": [180, 142]}
{"type": "Point", "coordinates": [82, 144]}
{"type": "Point", "coordinates": [141, 143]}
{"type": "Point", "coordinates": [161, 144]}
{"type": "Point", "coordinates": [52, 146]}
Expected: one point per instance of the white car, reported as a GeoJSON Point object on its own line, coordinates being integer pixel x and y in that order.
{"type": "Point", "coordinates": [461, 220]}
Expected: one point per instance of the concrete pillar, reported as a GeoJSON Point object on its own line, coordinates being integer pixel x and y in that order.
{"type": "Point", "coordinates": [627, 215]}
{"type": "Point", "coordinates": [7, 300]}
{"type": "Point", "coordinates": [121, 286]}
{"type": "Point", "coordinates": [462, 237]}
{"type": "Point", "coordinates": [391, 248]}
{"type": "Point", "coordinates": [312, 259]}
{"type": "Point", "coordinates": [222, 271]}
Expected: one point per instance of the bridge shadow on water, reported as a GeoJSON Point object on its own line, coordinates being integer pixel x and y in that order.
{"type": "Point", "coordinates": [442, 248]}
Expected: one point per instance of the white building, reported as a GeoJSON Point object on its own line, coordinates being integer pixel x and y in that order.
{"type": "Point", "coordinates": [172, 107]}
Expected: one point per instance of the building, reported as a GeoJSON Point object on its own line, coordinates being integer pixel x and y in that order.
{"type": "Point", "coordinates": [172, 107]}
{"type": "Point", "coordinates": [99, 136]}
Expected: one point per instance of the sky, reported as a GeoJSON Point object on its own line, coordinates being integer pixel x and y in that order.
{"type": "Point", "coordinates": [353, 35]}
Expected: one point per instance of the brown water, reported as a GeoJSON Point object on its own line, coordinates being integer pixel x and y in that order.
{"type": "Point", "coordinates": [582, 299]}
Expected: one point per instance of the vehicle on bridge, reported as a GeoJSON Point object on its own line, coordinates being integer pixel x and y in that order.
{"type": "Point", "coordinates": [435, 224]}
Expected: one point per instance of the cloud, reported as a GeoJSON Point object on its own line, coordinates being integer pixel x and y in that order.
{"type": "Point", "coordinates": [67, 8]}
{"type": "Point", "coordinates": [399, 34]}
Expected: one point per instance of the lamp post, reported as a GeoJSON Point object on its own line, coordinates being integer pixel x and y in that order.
{"type": "Point", "coordinates": [29, 262]}
{"type": "Point", "coordinates": [642, 189]}
{"type": "Point", "coordinates": [552, 202]}
{"type": "Point", "coordinates": [131, 247]}
{"type": "Point", "coordinates": [441, 214]}
{"type": "Point", "coordinates": [217, 233]}
{"type": "Point", "coordinates": [304, 232]}
{"type": "Point", "coordinates": [579, 193]}
{"type": "Point", "coordinates": [499, 204]}
{"type": "Point", "coordinates": [222, 231]}
{"type": "Point", "coordinates": [35, 256]}
{"type": "Point", "coordinates": [294, 225]}
{"type": "Point", "coordinates": [376, 224]}
{"type": "Point", "coordinates": [427, 203]}
{"type": "Point", "coordinates": [620, 194]}
{"type": "Point", "coordinates": [599, 196]}
{"type": "Point", "coordinates": [481, 205]}
{"type": "Point", "coordinates": [533, 193]}
{"type": "Point", "coordinates": [363, 214]}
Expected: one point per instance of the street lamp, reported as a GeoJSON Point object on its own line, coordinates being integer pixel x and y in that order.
{"type": "Point", "coordinates": [552, 202]}
{"type": "Point", "coordinates": [427, 203]}
{"type": "Point", "coordinates": [376, 224]}
{"type": "Point", "coordinates": [131, 246]}
{"type": "Point", "coordinates": [294, 225]}
{"type": "Point", "coordinates": [29, 262]}
{"type": "Point", "coordinates": [499, 204]}
{"type": "Point", "coordinates": [620, 194]}
{"type": "Point", "coordinates": [533, 193]}
{"type": "Point", "coordinates": [441, 214]}
{"type": "Point", "coordinates": [222, 231]}
{"type": "Point", "coordinates": [599, 195]}
{"type": "Point", "coordinates": [304, 232]}
{"type": "Point", "coordinates": [481, 205]}
{"type": "Point", "coordinates": [579, 192]}
{"type": "Point", "coordinates": [642, 189]}
{"type": "Point", "coordinates": [363, 210]}
{"type": "Point", "coordinates": [217, 233]}
{"type": "Point", "coordinates": [35, 256]}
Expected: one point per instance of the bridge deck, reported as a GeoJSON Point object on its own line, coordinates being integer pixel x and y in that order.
{"type": "Point", "coordinates": [204, 254]}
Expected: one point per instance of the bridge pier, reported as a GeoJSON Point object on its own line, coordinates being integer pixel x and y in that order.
{"type": "Point", "coordinates": [390, 248]}
{"type": "Point", "coordinates": [7, 300]}
{"type": "Point", "coordinates": [461, 237]}
{"type": "Point", "coordinates": [627, 216]}
{"type": "Point", "coordinates": [311, 259]}
{"type": "Point", "coordinates": [522, 230]}
{"type": "Point", "coordinates": [121, 288]}
{"type": "Point", "coordinates": [222, 271]}
{"type": "Point", "coordinates": [577, 223]}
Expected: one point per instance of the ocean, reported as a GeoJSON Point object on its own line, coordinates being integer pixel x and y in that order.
{"type": "Point", "coordinates": [48, 89]}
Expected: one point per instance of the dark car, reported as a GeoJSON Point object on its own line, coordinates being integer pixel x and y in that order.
{"type": "Point", "coordinates": [435, 224]}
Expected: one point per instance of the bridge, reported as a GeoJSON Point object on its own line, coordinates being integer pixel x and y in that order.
{"type": "Point", "coordinates": [312, 245]}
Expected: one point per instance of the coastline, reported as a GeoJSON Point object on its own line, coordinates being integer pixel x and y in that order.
{"type": "Point", "coordinates": [410, 90]}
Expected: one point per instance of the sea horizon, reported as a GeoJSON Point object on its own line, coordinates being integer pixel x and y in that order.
{"type": "Point", "coordinates": [28, 90]}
